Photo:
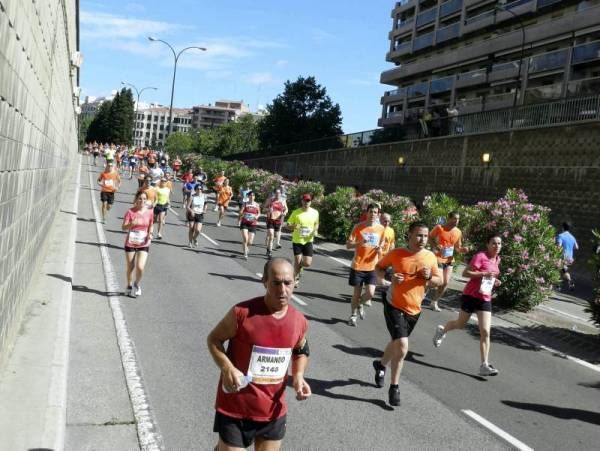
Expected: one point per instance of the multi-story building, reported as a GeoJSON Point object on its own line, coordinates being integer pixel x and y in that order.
{"type": "Point", "coordinates": [91, 105]}
{"type": "Point", "coordinates": [223, 111]}
{"type": "Point", "coordinates": [152, 125]}
{"type": "Point", "coordinates": [477, 55]}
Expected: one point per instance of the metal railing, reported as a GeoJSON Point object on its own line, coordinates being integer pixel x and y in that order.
{"type": "Point", "coordinates": [563, 111]}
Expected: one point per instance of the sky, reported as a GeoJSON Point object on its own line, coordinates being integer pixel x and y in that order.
{"type": "Point", "coordinates": [253, 48]}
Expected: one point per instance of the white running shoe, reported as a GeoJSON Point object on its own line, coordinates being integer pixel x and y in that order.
{"type": "Point", "coordinates": [439, 336]}
{"type": "Point", "coordinates": [361, 312]}
{"type": "Point", "coordinates": [368, 303]}
{"type": "Point", "coordinates": [487, 370]}
{"type": "Point", "coordinates": [138, 290]}
{"type": "Point", "coordinates": [352, 321]}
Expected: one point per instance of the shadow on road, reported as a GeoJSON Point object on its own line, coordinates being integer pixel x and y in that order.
{"type": "Point", "coordinates": [322, 388]}
{"type": "Point", "coordinates": [325, 321]}
{"type": "Point", "coordinates": [364, 351]}
{"type": "Point", "coordinates": [89, 243]}
{"type": "Point", "coordinates": [234, 277]}
{"type": "Point", "coordinates": [343, 298]}
{"type": "Point", "coordinates": [593, 385]}
{"type": "Point", "coordinates": [564, 413]}
{"type": "Point", "coordinates": [61, 277]}
{"type": "Point", "coordinates": [86, 219]}
{"type": "Point", "coordinates": [411, 358]}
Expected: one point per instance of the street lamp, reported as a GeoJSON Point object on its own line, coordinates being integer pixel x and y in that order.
{"type": "Point", "coordinates": [176, 56]}
{"type": "Point", "coordinates": [137, 103]}
{"type": "Point", "coordinates": [502, 7]}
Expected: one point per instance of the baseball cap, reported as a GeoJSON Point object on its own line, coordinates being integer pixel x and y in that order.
{"type": "Point", "coordinates": [306, 197]}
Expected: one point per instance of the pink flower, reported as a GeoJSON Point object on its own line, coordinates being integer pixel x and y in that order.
{"type": "Point", "coordinates": [525, 255]}
{"type": "Point", "coordinates": [517, 238]}
{"type": "Point", "coordinates": [540, 280]}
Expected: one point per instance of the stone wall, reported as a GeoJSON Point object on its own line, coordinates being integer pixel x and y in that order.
{"type": "Point", "coordinates": [556, 166]}
{"type": "Point", "coordinates": [38, 140]}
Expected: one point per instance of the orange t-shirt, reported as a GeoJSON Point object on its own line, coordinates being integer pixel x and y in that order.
{"type": "Point", "coordinates": [368, 238]}
{"type": "Point", "coordinates": [389, 240]}
{"type": "Point", "coordinates": [224, 196]}
{"type": "Point", "coordinates": [408, 294]}
{"type": "Point", "coordinates": [447, 240]}
{"type": "Point", "coordinates": [150, 195]}
{"type": "Point", "coordinates": [218, 180]}
{"type": "Point", "coordinates": [109, 181]}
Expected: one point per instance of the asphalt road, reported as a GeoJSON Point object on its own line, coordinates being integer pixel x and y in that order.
{"type": "Point", "coordinates": [542, 400]}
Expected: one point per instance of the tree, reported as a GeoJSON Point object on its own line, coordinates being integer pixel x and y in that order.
{"type": "Point", "coordinates": [84, 125]}
{"type": "Point", "coordinates": [237, 136]}
{"type": "Point", "coordinates": [99, 127]}
{"type": "Point", "coordinates": [179, 142]}
{"type": "Point", "coordinates": [122, 117]}
{"type": "Point", "coordinates": [302, 112]}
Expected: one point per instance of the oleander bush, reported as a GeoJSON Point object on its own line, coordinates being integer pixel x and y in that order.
{"type": "Point", "coordinates": [401, 209]}
{"type": "Point", "coordinates": [263, 184]}
{"type": "Point", "coordinates": [594, 307]}
{"type": "Point", "coordinates": [295, 190]}
{"type": "Point", "coordinates": [339, 211]}
{"type": "Point", "coordinates": [531, 261]}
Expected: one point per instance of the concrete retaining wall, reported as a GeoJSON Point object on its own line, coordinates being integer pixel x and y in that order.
{"type": "Point", "coordinates": [38, 140]}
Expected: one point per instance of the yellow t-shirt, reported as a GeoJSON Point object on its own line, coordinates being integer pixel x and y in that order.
{"type": "Point", "coordinates": [305, 222]}
{"type": "Point", "coordinates": [162, 195]}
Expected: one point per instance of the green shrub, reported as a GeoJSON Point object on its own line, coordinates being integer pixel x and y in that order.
{"type": "Point", "coordinates": [338, 213]}
{"type": "Point", "coordinates": [594, 307]}
{"type": "Point", "coordinates": [294, 192]}
{"type": "Point", "coordinates": [531, 261]}
{"type": "Point", "coordinates": [399, 207]}
{"type": "Point", "coordinates": [436, 208]}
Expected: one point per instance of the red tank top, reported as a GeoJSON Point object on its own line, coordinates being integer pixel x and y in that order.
{"type": "Point", "coordinates": [250, 215]}
{"type": "Point", "coordinates": [264, 339]}
{"type": "Point", "coordinates": [277, 205]}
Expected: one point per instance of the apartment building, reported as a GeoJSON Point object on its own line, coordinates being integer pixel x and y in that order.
{"type": "Point", "coordinates": [91, 105]}
{"type": "Point", "coordinates": [479, 55]}
{"type": "Point", "coordinates": [223, 111]}
{"type": "Point", "coordinates": [152, 125]}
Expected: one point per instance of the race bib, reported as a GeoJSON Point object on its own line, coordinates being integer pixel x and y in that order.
{"type": "Point", "coordinates": [198, 210]}
{"type": "Point", "coordinates": [269, 365]}
{"type": "Point", "coordinates": [275, 214]}
{"type": "Point", "coordinates": [305, 232]}
{"type": "Point", "coordinates": [109, 183]}
{"type": "Point", "coordinates": [371, 239]}
{"type": "Point", "coordinates": [487, 285]}
{"type": "Point", "coordinates": [448, 251]}
{"type": "Point", "coordinates": [137, 236]}
{"type": "Point", "coordinates": [197, 205]}
{"type": "Point", "coordinates": [249, 217]}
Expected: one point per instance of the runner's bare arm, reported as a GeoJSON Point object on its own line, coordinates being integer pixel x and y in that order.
{"type": "Point", "coordinates": [351, 241]}
{"type": "Point", "coordinates": [225, 330]}
{"type": "Point", "coordinates": [434, 277]}
{"type": "Point", "coordinates": [299, 364]}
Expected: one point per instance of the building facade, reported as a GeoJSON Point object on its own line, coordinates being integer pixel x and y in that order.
{"type": "Point", "coordinates": [223, 111]}
{"type": "Point", "coordinates": [91, 105]}
{"type": "Point", "coordinates": [479, 55]}
{"type": "Point", "coordinates": [152, 125]}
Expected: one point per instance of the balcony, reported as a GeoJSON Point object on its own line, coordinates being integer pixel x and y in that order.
{"type": "Point", "coordinates": [479, 21]}
{"type": "Point", "coordinates": [544, 3]}
{"type": "Point", "coordinates": [426, 17]}
{"type": "Point", "coordinates": [403, 25]}
{"type": "Point", "coordinates": [548, 61]}
{"type": "Point", "coordinates": [449, 7]}
{"type": "Point", "coordinates": [495, 101]}
{"type": "Point", "coordinates": [586, 87]}
{"type": "Point", "coordinates": [504, 71]}
{"type": "Point", "coordinates": [423, 41]}
{"type": "Point", "coordinates": [517, 7]}
{"type": "Point", "coordinates": [441, 85]}
{"type": "Point", "coordinates": [418, 90]}
{"type": "Point", "coordinates": [402, 48]}
{"type": "Point", "coordinates": [449, 32]}
{"type": "Point", "coordinates": [543, 93]}
{"type": "Point", "coordinates": [473, 78]}
{"type": "Point", "coordinates": [586, 52]}
{"type": "Point", "coordinates": [393, 96]}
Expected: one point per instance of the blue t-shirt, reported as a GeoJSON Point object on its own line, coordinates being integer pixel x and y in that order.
{"type": "Point", "coordinates": [190, 186]}
{"type": "Point", "coordinates": [568, 243]}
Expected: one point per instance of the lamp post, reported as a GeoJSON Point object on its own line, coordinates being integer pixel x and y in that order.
{"type": "Point", "coordinates": [502, 7]}
{"type": "Point", "coordinates": [137, 103]}
{"type": "Point", "coordinates": [176, 58]}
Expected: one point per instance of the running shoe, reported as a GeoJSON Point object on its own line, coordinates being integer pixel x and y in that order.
{"type": "Point", "coordinates": [269, 254]}
{"type": "Point", "coordinates": [138, 290]}
{"type": "Point", "coordinates": [278, 246]}
{"type": "Point", "coordinates": [245, 256]}
{"type": "Point", "coordinates": [352, 321]}
{"type": "Point", "coordinates": [130, 292]}
{"type": "Point", "coordinates": [439, 336]}
{"type": "Point", "coordinates": [379, 373]}
{"type": "Point", "coordinates": [394, 395]}
{"type": "Point", "coordinates": [158, 236]}
{"type": "Point", "coordinates": [191, 244]}
{"type": "Point", "coordinates": [361, 312]}
{"type": "Point", "coordinates": [196, 242]}
{"type": "Point", "coordinates": [487, 370]}
{"type": "Point", "coordinates": [368, 303]}
{"type": "Point", "coordinates": [219, 224]}
{"type": "Point", "coordinates": [435, 307]}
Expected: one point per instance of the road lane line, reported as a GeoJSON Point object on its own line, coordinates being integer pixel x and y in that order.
{"type": "Point", "coordinates": [173, 211]}
{"type": "Point", "coordinates": [499, 432]}
{"type": "Point", "coordinates": [147, 428]}
{"type": "Point", "coordinates": [209, 238]}
{"type": "Point", "coordinates": [560, 312]}
{"type": "Point", "coordinates": [343, 262]}
{"type": "Point", "coordinates": [294, 297]}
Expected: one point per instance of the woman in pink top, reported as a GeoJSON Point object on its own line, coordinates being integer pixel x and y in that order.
{"type": "Point", "coordinates": [483, 272]}
{"type": "Point", "coordinates": [138, 225]}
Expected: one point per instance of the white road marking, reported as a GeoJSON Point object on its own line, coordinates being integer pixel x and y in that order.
{"type": "Point", "coordinates": [499, 432]}
{"type": "Point", "coordinates": [209, 238]}
{"type": "Point", "coordinates": [147, 427]}
{"type": "Point", "coordinates": [173, 211]}
{"type": "Point", "coordinates": [560, 312]}
{"type": "Point", "coordinates": [343, 262]}
{"type": "Point", "coordinates": [294, 297]}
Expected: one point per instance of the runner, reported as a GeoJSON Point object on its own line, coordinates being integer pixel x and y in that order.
{"type": "Point", "coordinates": [176, 167]}
{"type": "Point", "coordinates": [143, 172]}
{"type": "Point", "coordinates": [186, 192]}
{"type": "Point", "coordinates": [568, 243]}
{"type": "Point", "coordinates": [304, 223]}
{"type": "Point", "coordinates": [149, 191]}
{"type": "Point", "coordinates": [155, 172]}
{"type": "Point", "coordinates": [133, 161]}
{"type": "Point", "coordinates": [95, 152]}
{"type": "Point", "coordinates": [446, 240]}
{"type": "Point", "coordinates": [251, 405]}
{"type": "Point", "coordinates": [196, 207]}
{"type": "Point", "coordinates": [247, 222]}
{"type": "Point", "coordinates": [389, 235]}
{"type": "Point", "coordinates": [138, 225]}
{"type": "Point", "coordinates": [109, 182]}
{"type": "Point", "coordinates": [163, 193]}
{"type": "Point", "coordinates": [276, 210]}
{"type": "Point", "coordinates": [109, 154]}
{"type": "Point", "coordinates": [218, 182]}
{"type": "Point", "coordinates": [224, 196]}
{"type": "Point", "coordinates": [366, 239]}
{"type": "Point", "coordinates": [483, 271]}
{"type": "Point", "coordinates": [413, 268]}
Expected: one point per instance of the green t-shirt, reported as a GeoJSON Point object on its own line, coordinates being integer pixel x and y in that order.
{"type": "Point", "coordinates": [307, 221]}
{"type": "Point", "coordinates": [162, 195]}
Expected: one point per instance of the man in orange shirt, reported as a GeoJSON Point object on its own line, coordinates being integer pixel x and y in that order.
{"type": "Point", "coordinates": [413, 268]}
{"type": "Point", "coordinates": [109, 182]}
{"type": "Point", "coordinates": [366, 239]}
{"type": "Point", "coordinates": [218, 182]}
{"type": "Point", "coordinates": [446, 240]}
{"type": "Point", "coordinates": [223, 198]}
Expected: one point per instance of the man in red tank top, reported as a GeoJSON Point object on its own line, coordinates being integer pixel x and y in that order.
{"type": "Point", "coordinates": [264, 335]}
